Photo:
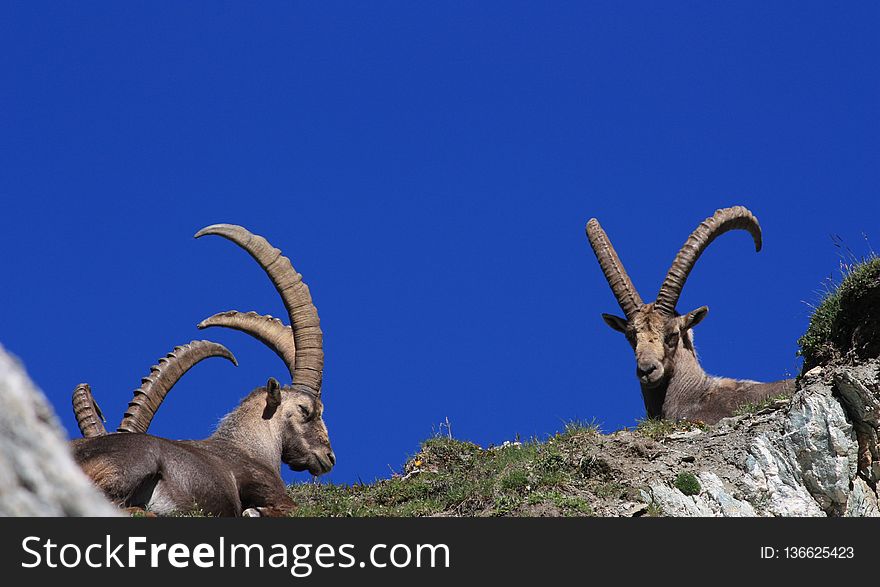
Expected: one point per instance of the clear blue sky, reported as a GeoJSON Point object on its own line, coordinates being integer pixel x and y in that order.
{"type": "Point", "coordinates": [429, 168]}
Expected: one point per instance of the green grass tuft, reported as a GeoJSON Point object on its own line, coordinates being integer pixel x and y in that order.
{"type": "Point", "coordinates": [687, 483]}
{"type": "Point", "coordinates": [820, 342]}
{"type": "Point", "coordinates": [658, 429]}
{"type": "Point", "coordinates": [515, 481]}
{"type": "Point", "coordinates": [754, 407]}
{"type": "Point", "coordinates": [581, 428]}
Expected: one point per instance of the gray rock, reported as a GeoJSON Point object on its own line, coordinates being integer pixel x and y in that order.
{"type": "Point", "coordinates": [799, 461]}
{"type": "Point", "coordinates": [684, 435]}
{"type": "Point", "coordinates": [815, 455]}
{"type": "Point", "coordinates": [37, 475]}
{"type": "Point", "coordinates": [772, 482]}
{"type": "Point", "coordinates": [821, 446]}
{"type": "Point", "coordinates": [859, 388]}
{"type": "Point", "coordinates": [673, 502]}
{"type": "Point", "coordinates": [713, 500]}
{"type": "Point", "coordinates": [720, 500]}
{"type": "Point", "coordinates": [862, 501]}
{"type": "Point", "coordinates": [799, 458]}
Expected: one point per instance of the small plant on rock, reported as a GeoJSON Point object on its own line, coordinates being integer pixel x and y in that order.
{"type": "Point", "coordinates": [687, 483]}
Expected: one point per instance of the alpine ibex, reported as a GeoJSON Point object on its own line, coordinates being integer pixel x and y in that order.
{"type": "Point", "coordinates": [674, 385]}
{"type": "Point", "coordinates": [236, 468]}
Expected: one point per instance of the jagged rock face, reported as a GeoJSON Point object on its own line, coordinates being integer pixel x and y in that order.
{"type": "Point", "coordinates": [859, 388]}
{"type": "Point", "coordinates": [37, 475]}
{"type": "Point", "coordinates": [817, 456]}
{"type": "Point", "coordinates": [807, 470]}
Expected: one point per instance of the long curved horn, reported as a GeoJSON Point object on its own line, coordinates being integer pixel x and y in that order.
{"type": "Point", "coordinates": [622, 286]}
{"type": "Point", "coordinates": [306, 326]}
{"type": "Point", "coordinates": [155, 386]}
{"type": "Point", "coordinates": [268, 330]}
{"type": "Point", "coordinates": [88, 414]}
{"type": "Point", "coordinates": [724, 220]}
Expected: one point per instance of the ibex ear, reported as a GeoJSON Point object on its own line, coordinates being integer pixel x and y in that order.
{"type": "Point", "coordinates": [615, 322]}
{"type": "Point", "coordinates": [273, 398]}
{"type": "Point", "coordinates": [693, 318]}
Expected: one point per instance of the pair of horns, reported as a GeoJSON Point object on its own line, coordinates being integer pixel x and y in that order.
{"type": "Point", "coordinates": [299, 345]}
{"type": "Point", "coordinates": [724, 220]}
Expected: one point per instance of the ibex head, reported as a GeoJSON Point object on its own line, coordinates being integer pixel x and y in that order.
{"type": "Point", "coordinates": [297, 415]}
{"type": "Point", "coordinates": [656, 331]}
{"type": "Point", "coordinates": [294, 413]}
{"type": "Point", "coordinates": [656, 338]}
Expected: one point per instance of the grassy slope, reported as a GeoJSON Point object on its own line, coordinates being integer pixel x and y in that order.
{"type": "Point", "coordinates": [452, 477]}
{"type": "Point", "coordinates": [558, 477]}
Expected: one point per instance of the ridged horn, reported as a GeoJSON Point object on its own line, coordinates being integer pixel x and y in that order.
{"type": "Point", "coordinates": [267, 329]}
{"type": "Point", "coordinates": [88, 414]}
{"type": "Point", "coordinates": [621, 285]}
{"type": "Point", "coordinates": [304, 321]}
{"type": "Point", "coordinates": [155, 386]}
{"type": "Point", "coordinates": [724, 220]}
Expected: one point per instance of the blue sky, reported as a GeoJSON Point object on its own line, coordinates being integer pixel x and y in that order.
{"type": "Point", "coordinates": [429, 168]}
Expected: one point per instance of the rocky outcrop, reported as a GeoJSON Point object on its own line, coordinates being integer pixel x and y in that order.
{"type": "Point", "coordinates": [37, 475]}
{"type": "Point", "coordinates": [815, 455]}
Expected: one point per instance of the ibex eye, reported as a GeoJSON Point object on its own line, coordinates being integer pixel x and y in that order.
{"type": "Point", "coordinates": [671, 338]}
{"type": "Point", "coordinates": [305, 411]}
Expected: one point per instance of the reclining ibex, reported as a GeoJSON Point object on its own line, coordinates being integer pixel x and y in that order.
{"type": "Point", "coordinates": [674, 385]}
{"type": "Point", "coordinates": [237, 468]}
